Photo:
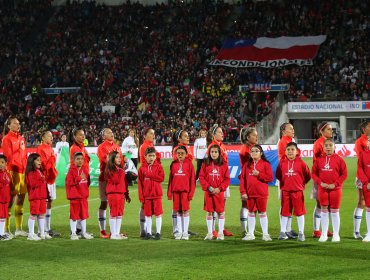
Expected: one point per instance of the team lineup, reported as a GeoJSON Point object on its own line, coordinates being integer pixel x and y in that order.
{"type": "Point", "coordinates": [36, 174]}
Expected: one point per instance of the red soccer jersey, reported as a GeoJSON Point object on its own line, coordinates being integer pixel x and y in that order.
{"type": "Point", "coordinates": [363, 168]}
{"type": "Point", "coordinates": [284, 140]}
{"type": "Point", "coordinates": [116, 182]}
{"type": "Point", "coordinates": [361, 145]}
{"type": "Point", "coordinates": [330, 170]}
{"type": "Point", "coordinates": [293, 174]}
{"type": "Point", "coordinates": [150, 181]}
{"type": "Point", "coordinates": [143, 147]}
{"type": "Point", "coordinates": [80, 148]}
{"type": "Point", "coordinates": [318, 148]}
{"type": "Point", "coordinates": [48, 162]}
{"type": "Point", "coordinates": [214, 176]}
{"type": "Point", "coordinates": [104, 149]}
{"type": "Point", "coordinates": [256, 186]}
{"type": "Point", "coordinates": [245, 154]}
{"type": "Point", "coordinates": [182, 178]}
{"type": "Point", "coordinates": [5, 183]}
{"type": "Point", "coordinates": [189, 156]}
{"type": "Point", "coordinates": [12, 148]}
{"type": "Point", "coordinates": [222, 147]}
{"type": "Point", "coordinates": [76, 186]}
{"type": "Point", "coordinates": [36, 185]}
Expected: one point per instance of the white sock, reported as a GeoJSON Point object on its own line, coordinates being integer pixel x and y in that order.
{"type": "Point", "coordinates": [289, 224]}
{"type": "Point", "coordinates": [112, 225]}
{"type": "Point", "coordinates": [221, 224]}
{"type": "Point", "coordinates": [357, 216]}
{"type": "Point", "coordinates": [175, 221]}
{"type": "Point", "coordinates": [158, 223]}
{"type": "Point", "coordinates": [41, 221]}
{"type": "Point", "coordinates": [186, 223]}
{"type": "Point", "coordinates": [264, 223]}
{"type": "Point", "coordinates": [102, 219]}
{"type": "Point", "coordinates": [368, 220]}
{"type": "Point", "coordinates": [316, 218]}
{"type": "Point", "coordinates": [142, 220]}
{"type": "Point", "coordinates": [73, 225]}
{"type": "Point", "coordinates": [243, 218]}
{"type": "Point", "coordinates": [31, 224]}
{"type": "Point", "coordinates": [300, 221]}
{"type": "Point", "coordinates": [335, 220]}
{"type": "Point", "coordinates": [209, 220]}
{"type": "Point", "coordinates": [48, 219]}
{"type": "Point", "coordinates": [2, 226]}
{"type": "Point", "coordinates": [179, 222]}
{"type": "Point", "coordinates": [83, 226]}
{"type": "Point", "coordinates": [118, 225]}
{"type": "Point", "coordinates": [283, 223]}
{"type": "Point", "coordinates": [325, 221]}
{"type": "Point", "coordinates": [214, 221]}
{"type": "Point", "coordinates": [251, 222]}
{"type": "Point", "coordinates": [148, 224]}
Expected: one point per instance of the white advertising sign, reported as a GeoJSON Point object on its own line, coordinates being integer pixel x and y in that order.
{"type": "Point", "coordinates": [333, 106]}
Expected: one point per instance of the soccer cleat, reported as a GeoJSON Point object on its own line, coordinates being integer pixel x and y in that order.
{"type": "Point", "coordinates": [323, 238]}
{"type": "Point", "coordinates": [330, 234]}
{"type": "Point", "coordinates": [74, 236]}
{"type": "Point", "coordinates": [283, 236]}
{"type": "Point", "coordinates": [9, 235]}
{"type": "Point", "coordinates": [266, 237]}
{"type": "Point", "coordinates": [215, 234]}
{"type": "Point", "coordinates": [316, 234]}
{"type": "Point", "coordinates": [87, 236]}
{"type": "Point", "coordinates": [116, 237]}
{"type": "Point", "coordinates": [33, 237]}
{"type": "Point", "coordinates": [244, 233]}
{"type": "Point", "coordinates": [45, 236]}
{"type": "Point", "coordinates": [209, 236]}
{"type": "Point", "coordinates": [357, 235]}
{"type": "Point", "coordinates": [148, 236]}
{"type": "Point", "coordinates": [5, 237]}
{"type": "Point", "coordinates": [301, 237]}
{"type": "Point", "coordinates": [53, 233]}
{"type": "Point", "coordinates": [336, 238]}
{"type": "Point", "coordinates": [249, 237]}
{"type": "Point", "coordinates": [124, 236]}
{"type": "Point", "coordinates": [20, 232]}
{"type": "Point", "coordinates": [291, 234]}
{"type": "Point", "coordinates": [366, 238]}
{"type": "Point", "coordinates": [178, 235]}
{"type": "Point", "coordinates": [227, 233]}
{"type": "Point", "coordinates": [157, 236]}
{"type": "Point", "coordinates": [142, 234]}
{"type": "Point", "coordinates": [185, 236]}
{"type": "Point", "coordinates": [192, 233]}
{"type": "Point", "coordinates": [220, 236]}
{"type": "Point", "coordinates": [104, 234]}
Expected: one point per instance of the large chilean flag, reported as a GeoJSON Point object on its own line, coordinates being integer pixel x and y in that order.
{"type": "Point", "coordinates": [269, 52]}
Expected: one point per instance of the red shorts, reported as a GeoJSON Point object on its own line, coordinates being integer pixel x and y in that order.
{"type": "Point", "coordinates": [330, 198]}
{"type": "Point", "coordinates": [153, 207]}
{"type": "Point", "coordinates": [257, 204]}
{"type": "Point", "coordinates": [4, 210]}
{"type": "Point", "coordinates": [181, 201]}
{"type": "Point", "coordinates": [116, 204]}
{"type": "Point", "coordinates": [79, 209]}
{"type": "Point", "coordinates": [366, 193]}
{"type": "Point", "coordinates": [290, 201]}
{"type": "Point", "coordinates": [244, 204]}
{"type": "Point", "coordinates": [214, 203]}
{"type": "Point", "coordinates": [38, 207]}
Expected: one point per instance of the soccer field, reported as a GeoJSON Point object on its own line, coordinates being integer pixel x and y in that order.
{"type": "Point", "coordinates": [61, 258]}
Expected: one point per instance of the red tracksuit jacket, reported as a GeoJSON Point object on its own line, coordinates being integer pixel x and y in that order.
{"type": "Point", "coordinates": [36, 185]}
{"type": "Point", "coordinates": [182, 178]}
{"type": "Point", "coordinates": [76, 187]}
{"type": "Point", "coordinates": [150, 181]}
{"type": "Point", "coordinates": [81, 149]}
{"type": "Point", "coordinates": [296, 180]}
{"type": "Point", "coordinates": [17, 158]}
{"type": "Point", "coordinates": [5, 183]}
{"type": "Point", "coordinates": [104, 149]}
{"type": "Point", "coordinates": [116, 182]}
{"type": "Point", "coordinates": [48, 162]}
{"type": "Point", "coordinates": [244, 154]}
{"type": "Point", "coordinates": [363, 168]}
{"type": "Point", "coordinates": [214, 176]}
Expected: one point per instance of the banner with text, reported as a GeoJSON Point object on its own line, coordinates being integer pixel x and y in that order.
{"type": "Point", "coordinates": [332, 106]}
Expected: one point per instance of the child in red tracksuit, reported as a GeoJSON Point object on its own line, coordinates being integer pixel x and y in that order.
{"type": "Point", "coordinates": [181, 188]}
{"type": "Point", "coordinates": [293, 174]}
{"type": "Point", "coordinates": [363, 174]}
{"type": "Point", "coordinates": [117, 192]}
{"type": "Point", "coordinates": [77, 189]}
{"type": "Point", "coordinates": [254, 179]}
{"type": "Point", "coordinates": [329, 172]}
{"type": "Point", "coordinates": [37, 195]}
{"type": "Point", "coordinates": [214, 177]}
{"type": "Point", "coordinates": [5, 184]}
{"type": "Point", "coordinates": [151, 176]}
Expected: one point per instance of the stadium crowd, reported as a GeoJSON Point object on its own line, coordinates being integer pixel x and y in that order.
{"type": "Point", "coordinates": [151, 64]}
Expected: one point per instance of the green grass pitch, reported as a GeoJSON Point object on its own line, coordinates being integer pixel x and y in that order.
{"type": "Point", "coordinates": [61, 258]}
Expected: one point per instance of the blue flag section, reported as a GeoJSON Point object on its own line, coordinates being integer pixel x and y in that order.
{"type": "Point", "coordinates": [235, 168]}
